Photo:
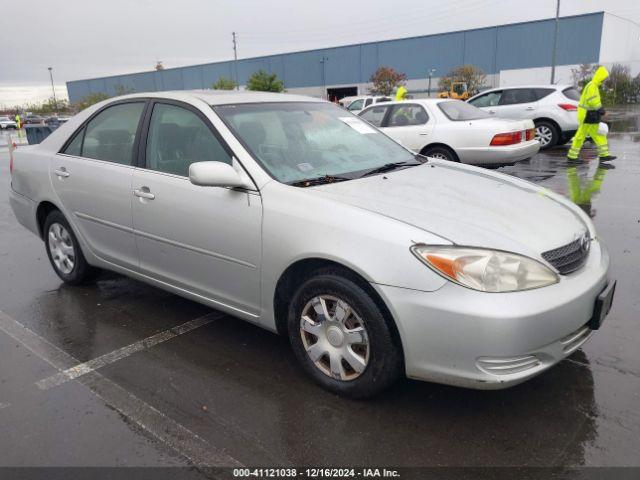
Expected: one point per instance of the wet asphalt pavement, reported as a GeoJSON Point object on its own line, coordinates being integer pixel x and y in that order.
{"type": "Point", "coordinates": [230, 393]}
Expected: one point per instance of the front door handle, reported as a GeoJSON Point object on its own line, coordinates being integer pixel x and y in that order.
{"type": "Point", "coordinates": [492, 112]}
{"type": "Point", "coordinates": [144, 193]}
{"type": "Point", "coordinates": [61, 172]}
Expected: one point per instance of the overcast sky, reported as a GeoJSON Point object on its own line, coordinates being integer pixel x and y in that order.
{"type": "Point", "coordinates": [90, 38]}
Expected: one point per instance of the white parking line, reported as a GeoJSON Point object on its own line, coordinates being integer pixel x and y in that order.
{"type": "Point", "coordinates": [4, 405]}
{"type": "Point", "coordinates": [188, 444]}
{"type": "Point", "coordinates": [111, 357]}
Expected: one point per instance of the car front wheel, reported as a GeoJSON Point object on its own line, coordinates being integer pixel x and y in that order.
{"type": "Point", "coordinates": [341, 338]}
{"type": "Point", "coordinates": [441, 153]}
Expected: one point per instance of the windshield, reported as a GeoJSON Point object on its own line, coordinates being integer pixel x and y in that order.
{"type": "Point", "coordinates": [457, 110]}
{"type": "Point", "coordinates": [295, 141]}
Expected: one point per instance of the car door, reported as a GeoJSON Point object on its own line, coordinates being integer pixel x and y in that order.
{"type": "Point", "coordinates": [517, 103]}
{"type": "Point", "coordinates": [409, 124]}
{"type": "Point", "coordinates": [205, 240]}
{"type": "Point", "coordinates": [92, 178]}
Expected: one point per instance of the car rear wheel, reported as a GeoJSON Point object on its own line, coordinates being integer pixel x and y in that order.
{"type": "Point", "coordinates": [64, 250]}
{"type": "Point", "coordinates": [341, 338]}
{"type": "Point", "coordinates": [441, 153]}
{"type": "Point", "coordinates": [547, 134]}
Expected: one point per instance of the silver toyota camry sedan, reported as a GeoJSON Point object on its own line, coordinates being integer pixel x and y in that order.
{"type": "Point", "coordinates": [293, 214]}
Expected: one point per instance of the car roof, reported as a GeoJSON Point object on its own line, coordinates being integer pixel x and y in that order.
{"type": "Point", "coordinates": [425, 101]}
{"type": "Point", "coordinates": [223, 97]}
{"type": "Point", "coordinates": [512, 87]}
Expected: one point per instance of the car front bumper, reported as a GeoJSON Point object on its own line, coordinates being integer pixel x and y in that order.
{"type": "Point", "coordinates": [498, 155]}
{"type": "Point", "coordinates": [458, 336]}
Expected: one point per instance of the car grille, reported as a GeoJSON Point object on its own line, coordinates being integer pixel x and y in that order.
{"type": "Point", "coordinates": [570, 257]}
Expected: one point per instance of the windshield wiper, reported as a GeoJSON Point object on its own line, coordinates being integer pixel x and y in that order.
{"type": "Point", "coordinates": [308, 182]}
{"type": "Point", "coordinates": [387, 167]}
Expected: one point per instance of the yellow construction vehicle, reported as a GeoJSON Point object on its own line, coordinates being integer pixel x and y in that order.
{"type": "Point", "coordinates": [458, 91]}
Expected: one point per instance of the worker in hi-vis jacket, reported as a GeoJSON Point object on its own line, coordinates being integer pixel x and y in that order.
{"type": "Point", "coordinates": [590, 112]}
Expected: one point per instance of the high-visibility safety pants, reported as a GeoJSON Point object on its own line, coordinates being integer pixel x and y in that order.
{"type": "Point", "coordinates": [588, 130]}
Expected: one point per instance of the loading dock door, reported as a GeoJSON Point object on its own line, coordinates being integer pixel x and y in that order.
{"type": "Point", "coordinates": [338, 93]}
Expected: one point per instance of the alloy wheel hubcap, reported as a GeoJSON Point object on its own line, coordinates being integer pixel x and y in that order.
{"type": "Point", "coordinates": [543, 135]}
{"type": "Point", "coordinates": [335, 337]}
{"type": "Point", "coordinates": [61, 248]}
{"type": "Point", "coordinates": [439, 156]}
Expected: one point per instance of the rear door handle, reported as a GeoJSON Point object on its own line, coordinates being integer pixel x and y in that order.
{"type": "Point", "coordinates": [530, 108]}
{"type": "Point", "coordinates": [61, 172]}
{"type": "Point", "coordinates": [144, 193]}
{"type": "Point", "coordinates": [492, 112]}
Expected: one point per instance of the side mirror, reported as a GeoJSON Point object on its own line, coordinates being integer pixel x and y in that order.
{"type": "Point", "coordinates": [216, 174]}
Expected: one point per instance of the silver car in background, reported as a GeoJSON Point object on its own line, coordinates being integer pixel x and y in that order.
{"type": "Point", "coordinates": [290, 213]}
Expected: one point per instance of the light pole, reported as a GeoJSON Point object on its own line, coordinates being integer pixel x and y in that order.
{"type": "Point", "coordinates": [53, 89]}
{"type": "Point", "coordinates": [431, 72]}
{"type": "Point", "coordinates": [555, 44]}
{"type": "Point", "coordinates": [235, 58]}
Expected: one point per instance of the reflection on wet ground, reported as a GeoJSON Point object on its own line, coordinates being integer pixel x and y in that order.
{"type": "Point", "coordinates": [238, 387]}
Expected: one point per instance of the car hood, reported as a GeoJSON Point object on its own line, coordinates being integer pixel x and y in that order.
{"type": "Point", "coordinates": [466, 206]}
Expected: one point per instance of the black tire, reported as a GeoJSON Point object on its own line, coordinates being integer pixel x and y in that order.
{"type": "Point", "coordinates": [550, 131]}
{"type": "Point", "coordinates": [81, 272]}
{"type": "Point", "coordinates": [441, 152]}
{"type": "Point", "coordinates": [385, 361]}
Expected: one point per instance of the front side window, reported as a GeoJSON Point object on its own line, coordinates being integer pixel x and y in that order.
{"type": "Point", "coordinates": [356, 105]}
{"type": "Point", "coordinates": [368, 102]}
{"type": "Point", "coordinates": [457, 110]}
{"type": "Point", "coordinates": [177, 138]}
{"type": "Point", "coordinates": [490, 99]}
{"type": "Point", "coordinates": [374, 115]}
{"type": "Point", "coordinates": [294, 141]}
{"type": "Point", "coordinates": [110, 135]}
{"type": "Point", "coordinates": [407, 114]}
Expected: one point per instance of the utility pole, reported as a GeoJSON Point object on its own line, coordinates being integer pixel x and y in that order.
{"type": "Point", "coordinates": [53, 89]}
{"type": "Point", "coordinates": [324, 61]}
{"type": "Point", "coordinates": [555, 44]}
{"type": "Point", "coordinates": [235, 58]}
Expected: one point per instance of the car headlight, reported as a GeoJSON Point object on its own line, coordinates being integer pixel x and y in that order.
{"type": "Point", "coordinates": [485, 270]}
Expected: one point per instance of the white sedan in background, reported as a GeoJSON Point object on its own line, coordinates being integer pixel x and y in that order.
{"type": "Point", "coordinates": [454, 130]}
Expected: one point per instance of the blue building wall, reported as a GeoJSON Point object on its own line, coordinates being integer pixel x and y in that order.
{"type": "Point", "coordinates": [521, 45]}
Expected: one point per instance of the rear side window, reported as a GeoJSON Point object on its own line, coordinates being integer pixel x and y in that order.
{"type": "Point", "coordinates": [75, 147]}
{"type": "Point", "coordinates": [518, 95]}
{"type": "Point", "coordinates": [458, 111]}
{"type": "Point", "coordinates": [110, 135]}
{"type": "Point", "coordinates": [407, 114]}
{"type": "Point", "coordinates": [543, 92]}
{"type": "Point", "coordinates": [572, 94]}
{"type": "Point", "coordinates": [374, 115]}
{"type": "Point", "coordinates": [490, 99]}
